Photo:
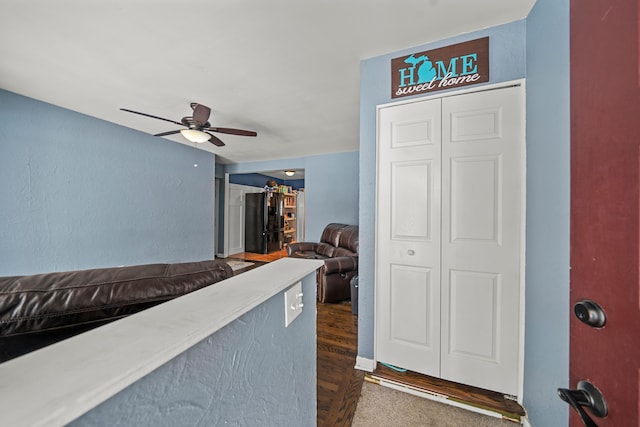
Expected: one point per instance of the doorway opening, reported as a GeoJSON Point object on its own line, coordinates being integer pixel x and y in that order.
{"type": "Point", "coordinates": [261, 211]}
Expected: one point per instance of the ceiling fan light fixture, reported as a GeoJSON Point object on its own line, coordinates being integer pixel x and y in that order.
{"type": "Point", "coordinates": [289, 172]}
{"type": "Point", "coordinates": [195, 135]}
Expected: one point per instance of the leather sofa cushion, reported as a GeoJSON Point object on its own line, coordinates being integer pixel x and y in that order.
{"type": "Point", "coordinates": [325, 251]}
{"type": "Point", "coordinates": [342, 252]}
{"type": "Point", "coordinates": [339, 265]}
{"type": "Point", "coordinates": [307, 255]}
{"type": "Point", "coordinates": [331, 234]}
{"type": "Point", "coordinates": [51, 301]}
{"type": "Point", "coordinates": [349, 239]}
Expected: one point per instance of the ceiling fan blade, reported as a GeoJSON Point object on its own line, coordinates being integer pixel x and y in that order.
{"type": "Point", "coordinates": [153, 117]}
{"type": "Point", "coordinates": [171, 132]}
{"type": "Point", "coordinates": [215, 140]}
{"type": "Point", "coordinates": [200, 114]}
{"type": "Point", "coordinates": [232, 131]}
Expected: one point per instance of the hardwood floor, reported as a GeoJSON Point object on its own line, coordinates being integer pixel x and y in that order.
{"type": "Point", "coordinates": [250, 256]}
{"type": "Point", "coordinates": [338, 383]}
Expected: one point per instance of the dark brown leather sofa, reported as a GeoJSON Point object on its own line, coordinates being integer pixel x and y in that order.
{"type": "Point", "coordinates": [41, 309]}
{"type": "Point", "coordinates": [338, 247]}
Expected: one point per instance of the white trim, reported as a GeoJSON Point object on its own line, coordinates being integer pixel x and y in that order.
{"type": "Point", "coordinates": [225, 245]}
{"type": "Point", "coordinates": [364, 364]}
{"type": "Point", "coordinates": [216, 215]}
{"type": "Point", "coordinates": [243, 190]}
{"type": "Point", "coordinates": [56, 384]}
{"type": "Point", "coordinates": [502, 85]}
{"type": "Point", "coordinates": [523, 244]}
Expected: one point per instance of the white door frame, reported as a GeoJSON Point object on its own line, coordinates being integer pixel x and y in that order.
{"type": "Point", "coordinates": [216, 215]}
{"type": "Point", "coordinates": [519, 82]}
{"type": "Point", "coordinates": [225, 246]}
{"type": "Point", "coordinates": [227, 231]}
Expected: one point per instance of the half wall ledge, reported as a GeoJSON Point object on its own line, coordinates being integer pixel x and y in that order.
{"type": "Point", "coordinates": [57, 384]}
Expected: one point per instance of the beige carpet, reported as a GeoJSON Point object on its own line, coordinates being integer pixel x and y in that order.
{"type": "Point", "coordinates": [383, 406]}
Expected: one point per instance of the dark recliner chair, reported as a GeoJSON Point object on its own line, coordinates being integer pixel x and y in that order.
{"type": "Point", "coordinates": [338, 248]}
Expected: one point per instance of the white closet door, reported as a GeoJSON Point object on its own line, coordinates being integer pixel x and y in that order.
{"type": "Point", "coordinates": [482, 229]}
{"type": "Point", "coordinates": [408, 237]}
{"type": "Point", "coordinates": [236, 218]}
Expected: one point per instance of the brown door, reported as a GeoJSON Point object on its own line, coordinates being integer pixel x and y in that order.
{"type": "Point", "coordinates": [605, 139]}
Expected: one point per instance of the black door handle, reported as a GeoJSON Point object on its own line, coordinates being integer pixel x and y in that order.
{"type": "Point", "coordinates": [586, 396]}
{"type": "Point", "coordinates": [590, 312]}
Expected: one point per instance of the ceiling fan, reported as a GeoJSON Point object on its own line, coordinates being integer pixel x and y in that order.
{"type": "Point", "coordinates": [198, 126]}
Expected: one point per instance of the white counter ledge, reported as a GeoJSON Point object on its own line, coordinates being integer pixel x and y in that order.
{"type": "Point", "coordinates": [55, 385]}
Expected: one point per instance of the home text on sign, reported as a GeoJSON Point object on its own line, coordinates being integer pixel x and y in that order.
{"type": "Point", "coordinates": [452, 66]}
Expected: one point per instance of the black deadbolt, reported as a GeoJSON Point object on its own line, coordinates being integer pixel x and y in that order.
{"type": "Point", "coordinates": [590, 312]}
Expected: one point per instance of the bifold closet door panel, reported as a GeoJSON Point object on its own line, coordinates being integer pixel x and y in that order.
{"type": "Point", "coordinates": [408, 236]}
{"type": "Point", "coordinates": [482, 223]}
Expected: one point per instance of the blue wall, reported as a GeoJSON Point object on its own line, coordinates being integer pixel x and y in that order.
{"type": "Point", "coordinates": [538, 49]}
{"type": "Point", "coordinates": [77, 192]}
{"type": "Point", "coordinates": [253, 372]}
{"type": "Point", "coordinates": [331, 187]}
{"type": "Point", "coordinates": [548, 194]}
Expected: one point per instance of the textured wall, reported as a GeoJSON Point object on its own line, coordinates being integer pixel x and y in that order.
{"type": "Point", "coordinates": [77, 192]}
{"type": "Point", "coordinates": [548, 195]}
{"type": "Point", "coordinates": [253, 372]}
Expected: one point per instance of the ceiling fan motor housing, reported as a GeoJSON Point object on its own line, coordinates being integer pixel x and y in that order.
{"type": "Point", "coordinates": [189, 122]}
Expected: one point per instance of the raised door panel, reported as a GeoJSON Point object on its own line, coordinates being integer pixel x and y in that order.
{"type": "Point", "coordinates": [236, 229]}
{"type": "Point", "coordinates": [411, 290]}
{"type": "Point", "coordinates": [476, 199]}
{"type": "Point", "coordinates": [474, 315]}
{"type": "Point", "coordinates": [408, 238]}
{"type": "Point", "coordinates": [236, 219]}
{"type": "Point", "coordinates": [411, 210]}
{"type": "Point", "coordinates": [482, 240]}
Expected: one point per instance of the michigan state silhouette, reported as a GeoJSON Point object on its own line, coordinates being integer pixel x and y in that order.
{"type": "Point", "coordinates": [425, 72]}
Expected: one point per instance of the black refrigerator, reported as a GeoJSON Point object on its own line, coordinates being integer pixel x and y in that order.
{"type": "Point", "coordinates": [264, 222]}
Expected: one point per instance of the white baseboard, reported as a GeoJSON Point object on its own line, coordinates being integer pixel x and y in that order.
{"type": "Point", "coordinates": [364, 364]}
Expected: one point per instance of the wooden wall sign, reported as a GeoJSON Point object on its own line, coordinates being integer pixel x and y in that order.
{"type": "Point", "coordinates": [461, 64]}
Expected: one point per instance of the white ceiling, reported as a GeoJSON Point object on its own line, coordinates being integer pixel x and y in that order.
{"type": "Point", "coordinates": [287, 69]}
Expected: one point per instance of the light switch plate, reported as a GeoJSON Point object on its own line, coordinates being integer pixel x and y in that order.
{"type": "Point", "coordinates": [292, 303]}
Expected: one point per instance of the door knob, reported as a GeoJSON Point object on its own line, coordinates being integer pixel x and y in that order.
{"type": "Point", "coordinates": [590, 312]}
{"type": "Point", "coordinates": [585, 396]}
